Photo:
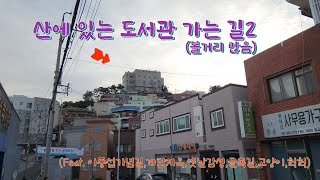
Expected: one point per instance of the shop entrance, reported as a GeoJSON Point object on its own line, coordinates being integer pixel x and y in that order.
{"type": "Point", "coordinates": [232, 173]}
{"type": "Point", "coordinates": [1, 162]}
{"type": "Point", "coordinates": [210, 173]}
{"type": "Point", "coordinates": [295, 149]}
{"type": "Point", "coordinates": [314, 148]}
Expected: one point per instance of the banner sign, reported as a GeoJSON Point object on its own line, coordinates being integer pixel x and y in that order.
{"type": "Point", "coordinates": [59, 151]}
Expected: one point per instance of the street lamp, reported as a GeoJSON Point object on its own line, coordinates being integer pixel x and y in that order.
{"type": "Point", "coordinates": [91, 144]}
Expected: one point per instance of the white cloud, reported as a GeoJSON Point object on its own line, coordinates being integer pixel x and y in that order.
{"type": "Point", "coordinates": [27, 64]}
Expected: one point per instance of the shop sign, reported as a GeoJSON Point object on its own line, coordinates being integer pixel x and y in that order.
{"type": "Point", "coordinates": [181, 147]}
{"type": "Point", "coordinates": [198, 122]}
{"type": "Point", "coordinates": [58, 151]}
{"type": "Point", "coordinates": [246, 120]}
{"type": "Point", "coordinates": [5, 115]}
{"type": "Point", "coordinates": [304, 120]}
{"type": "Point", "coordinates": [205, 146]}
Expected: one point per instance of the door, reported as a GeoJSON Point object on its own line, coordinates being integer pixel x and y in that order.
{"type": "Point", "coordinates": [278, 151]}
{"type": "Point", "coordinates": [315, 153]}
{"type": "Point", "coordinates": [296, 148]}
{"type": "Point", "coordinates": [1, 162]}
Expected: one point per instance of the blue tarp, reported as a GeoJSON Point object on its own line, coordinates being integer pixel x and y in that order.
{"type": "Point", "coordinates": [125, 108]}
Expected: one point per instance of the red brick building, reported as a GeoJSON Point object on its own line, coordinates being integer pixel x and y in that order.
{"type": "Point", "coordinates": [284, 88]}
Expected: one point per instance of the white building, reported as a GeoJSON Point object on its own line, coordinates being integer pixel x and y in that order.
{"type": "Point", "coordinates": [33, 113]}
{"type": "Point", "coordinates": [142, 80]}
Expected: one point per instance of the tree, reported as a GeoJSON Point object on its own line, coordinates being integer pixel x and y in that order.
{"type": "Point", "coordinates": [164, 89]}
{"type": "Point", "coordinates": [114, 89]}
{"type": "Point", "coordinates": [120, 87]}
{"type": "Point", "coordinates": [66, 104]}
{"type": "Point", "coordinates": [78, 104]}
{"type": "Point", "coordinates": [88, 96]}
{"type": "Point", "coordinates": [214, 88]}
{"type": "Point", "coordinates": [100, 91]}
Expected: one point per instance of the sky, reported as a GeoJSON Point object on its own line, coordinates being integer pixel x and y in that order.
{"type": "Point", "coordinates": [27, 64]}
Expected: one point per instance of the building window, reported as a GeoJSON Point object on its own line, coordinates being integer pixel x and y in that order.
{"type": "Point", "coordinates": [129, 148]}
{"type": "Point", "coordinates": [143, 116]}
{"type": "Point", "coordinates": [97, 128]}
{"type": "Point", "coordinates": [97, 146]}
{"type": "Point", "coordinates": [315, 8]}
{"type": "Point", "coordinates": [294, 83]}
{"type": "Point", "coordinates": [162, 127]}
{"type": "Point", "coordinates": [151, 114]}
{"type": "Point", "coordinates": [20, 103]}
{"type": "Point", "coordinates": [143, 133]}
{"type": "Point", "coordinates": [124, 148]}
{"type": "Point", "coordinates": [217, 119]}
{"type": "Point", "coordinates": [151, 132]}
{"type": "Point", "coordinates": [181, 123]}
{"type": "Point", "coordinates": [121, 148]}
{"type": "Point", "coordinates": [86, 147]}
{"type": "Point", "coordinates": [29, 105]}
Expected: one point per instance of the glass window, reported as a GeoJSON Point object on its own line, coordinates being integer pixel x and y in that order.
{"type": "Point", "coordinates": [29, 105]}
{"type": "Point", "coordinates": [97, 128]}
{"type": "Point", "coordinates": [162, 127]}
{"type": "Point", "coordinates": [217, 119]}
{"type": "Point", "coordinates": [121, 148]}
{"type": "Point", "coordinates": [275, 90]}
{"type": "Point", "coordinates": [97, 146]}
{"type": "Point", "coordinates": [304, 80]}
{"type": "Point", "coordinates": [295, 83]}
{"type": "Point", "coordinates": [151, 114]}
{"type": "Point", "coordinates": [143, 133]}
{"type": "Point", "coordinates": [181, 123]}
{"type": "Point", "coordinates": [143, 116]}
{"type": "Point", "coordinates": [287, 86]}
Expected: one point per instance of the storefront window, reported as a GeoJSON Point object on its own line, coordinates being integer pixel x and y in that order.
{"type": "Point", "coordinates": [296, 149]}
{"type": "Point", "coordinates": [289, 149]}
{"type": "Point", "coordinates": [183, 173]}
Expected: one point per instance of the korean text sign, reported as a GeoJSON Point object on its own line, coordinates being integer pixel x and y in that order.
{"type": "Point", "coordinates": [241, 33]}
{"type": "Point", "coordinates": [56, 151]}
{"type": "Point", "coordinates": [304, 120]}
{"type": "Point", "coordinates": [246, 120]}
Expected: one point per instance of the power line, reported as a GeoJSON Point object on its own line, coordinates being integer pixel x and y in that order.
{"type": "Point", "coordinates": [123, 67]}
{"type": "Point", "coordinates": [76, 46]}
{"type": "Point", "coordinates": [79, 51]}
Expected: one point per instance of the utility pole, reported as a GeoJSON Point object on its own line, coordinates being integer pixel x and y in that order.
{"type": "Point", "coordinates": [119, 127]}
{"type": "Point", "coordinates": [57, 77]}
{"type": "Point", "coordinates": [90, 157]}
{"type": "Point", "coordinates": [27, 151]}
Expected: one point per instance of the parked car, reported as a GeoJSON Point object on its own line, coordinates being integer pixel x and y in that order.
{"type": "Point", "coordinates": [151, 176]}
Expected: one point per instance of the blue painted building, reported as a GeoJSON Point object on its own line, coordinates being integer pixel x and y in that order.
{"type": "Point", "coordinates": [9, 130]}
